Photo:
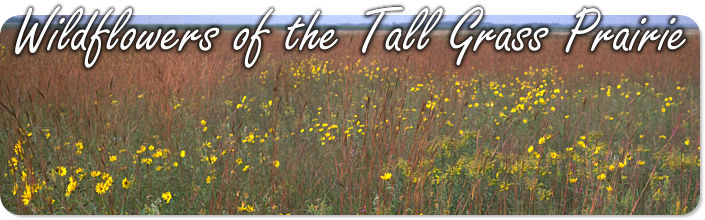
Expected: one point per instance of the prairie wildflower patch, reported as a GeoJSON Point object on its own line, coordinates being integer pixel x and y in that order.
{"type": "Point", "coordinates": [320, 134]}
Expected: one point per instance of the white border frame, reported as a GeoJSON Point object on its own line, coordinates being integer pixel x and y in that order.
{"type": "Point", "coordinates": [692, 9]}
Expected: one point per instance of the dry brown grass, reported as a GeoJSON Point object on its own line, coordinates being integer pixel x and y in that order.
{"type": "Point", "coordinates": [54, 91]}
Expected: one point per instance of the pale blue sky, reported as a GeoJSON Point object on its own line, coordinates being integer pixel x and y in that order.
{"type": "Point", "coordinates": [563, 20]}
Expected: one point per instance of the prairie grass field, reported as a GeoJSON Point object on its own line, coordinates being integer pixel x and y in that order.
{"type": "Point", "coordinates": [337, 132]}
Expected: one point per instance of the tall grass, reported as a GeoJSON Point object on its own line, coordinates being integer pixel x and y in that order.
{"type": "Point", "coordinates": [321, 132]}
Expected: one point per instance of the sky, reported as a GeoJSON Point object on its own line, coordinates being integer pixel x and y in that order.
{"type": "Point", "coordinates": [390, 19]}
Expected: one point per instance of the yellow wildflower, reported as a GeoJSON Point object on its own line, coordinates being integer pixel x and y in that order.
{"type": "Point", "coordinates": [71, 186]}
{"type": "Point", "coordinates": [276, 163]}
{"type": "Point", "coordinates": [27, 195]}
{"type": "Point", "coordinates": [554, 155]}
{"type": "Point", "coordinates": [166, 196]}
{"type": "Point", "coordinates": [125, 183]}
{"type": "Point", "coordinates": [245, 208]}
{"type": "Point", "coordinates": [61, 170]}
{"type": "Point", "coordinates": [386, 176]}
